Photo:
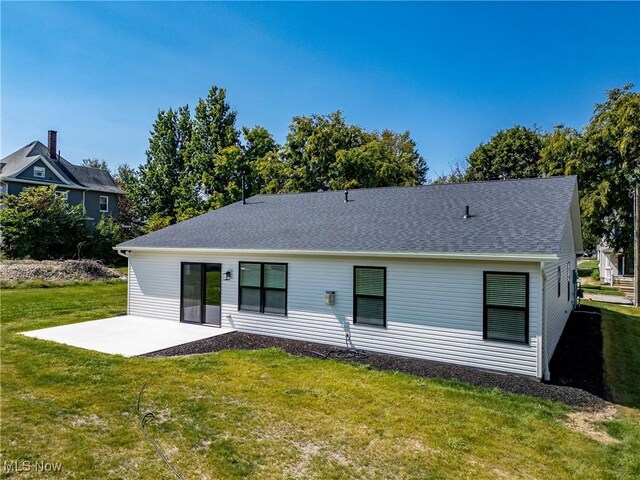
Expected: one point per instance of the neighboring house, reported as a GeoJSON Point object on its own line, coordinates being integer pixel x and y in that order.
{"type": "Point", "coordinates": [616, 267]}
{"type": "Point", "coordinates": [37, 164]}
{"type": "Point", "coordinates": [479, 274]}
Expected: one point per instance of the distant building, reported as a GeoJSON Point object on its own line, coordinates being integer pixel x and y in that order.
{"type": "Point", "coordinates": [37, 164]}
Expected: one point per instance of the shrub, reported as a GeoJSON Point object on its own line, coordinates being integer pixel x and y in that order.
{"type": "Point", "coordinates": [156, 222]}
{"type": "Point", "coordinates": [41, 225]}
{"type": "Point", "coordinates": [106, 235]}
{"type": "Point", "coordinates": [595, 274]}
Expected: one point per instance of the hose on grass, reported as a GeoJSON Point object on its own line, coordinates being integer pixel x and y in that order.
{"type": "Point", "coordinates": [144, 419]}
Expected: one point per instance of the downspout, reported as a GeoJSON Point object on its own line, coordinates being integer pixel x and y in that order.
{"type": "Point", "coordinates": [126, 254]}
{"type": "Point", "coordinates": [543, 355]}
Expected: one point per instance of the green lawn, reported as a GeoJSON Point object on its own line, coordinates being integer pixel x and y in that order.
{"type": "Point", "coordinates": [621, 338]}
{"type": "Point", "coordinates": [590, 264]}
{"type": "Point", "coordinates": [264, 414]}
{"type": "Point", "coordinates": [124, 270]}
{"type": "Point", "coordinates": [602, 290]}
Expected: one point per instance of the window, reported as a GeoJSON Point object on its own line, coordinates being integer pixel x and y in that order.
{"type": "Point", "coordinates": [568, 284]}
{"type": "Point", "coordinates": [369, 296]}
{"type": "Point", "coordinates": [104, 203]}
{"type": "Point", "coordinates": [506, 307]}
{"type": "Point", "coordinates": [39, 172]}
{"type": "Point", "coordinates": [559, 280]}
{"type": "Point", "coordinates": [63, 194]}
{"type": "Point", "coordinates": [263, 287]}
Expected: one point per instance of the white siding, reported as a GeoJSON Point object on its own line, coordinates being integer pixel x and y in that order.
{"type": "Point", "coordinates": [434, 308]}
{"type": "Point", "coordinates": [558, 308]}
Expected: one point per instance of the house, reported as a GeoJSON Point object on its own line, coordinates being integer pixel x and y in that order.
{"type": "Point", "coordinates": [36, 164]}
{"type": "Point", "coordinates": [479, 274]}
{"type": "Point", "coordinates": [616, 268]}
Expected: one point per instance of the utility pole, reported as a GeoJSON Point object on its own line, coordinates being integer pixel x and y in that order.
{"type": "Point", "coordinates": [636, 246]}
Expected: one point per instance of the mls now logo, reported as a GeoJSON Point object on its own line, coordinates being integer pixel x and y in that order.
{"type": "Point", "coordinates": [16, 466]}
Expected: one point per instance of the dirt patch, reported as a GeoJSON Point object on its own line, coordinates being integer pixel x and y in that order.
{"type": "Point", "coordinates": [586, 422]}
{"type": "Point", "coordinates": [423, 368]}
{"type": "Point", "coordinates": [55, 270]}
{"type": "Point", "coordinates": [88, 420]}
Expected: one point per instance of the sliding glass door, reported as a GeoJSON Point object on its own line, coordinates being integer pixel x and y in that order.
{"type": "Point", "coordinates": [200, 293]}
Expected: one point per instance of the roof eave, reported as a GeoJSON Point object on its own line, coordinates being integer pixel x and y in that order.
{"type": "Point", "coordinates": [494, 256]}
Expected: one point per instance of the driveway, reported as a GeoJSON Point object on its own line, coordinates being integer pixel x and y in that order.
{"type": "Point", "coordinates": [127, 335]}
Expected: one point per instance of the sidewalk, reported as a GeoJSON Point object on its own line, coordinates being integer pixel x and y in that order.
{"type": "Point", "coordinates": [605, 298]}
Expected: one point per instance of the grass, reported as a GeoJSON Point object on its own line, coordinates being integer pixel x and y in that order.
{"type": "Point", "coordinates": [40, 283]}
{"type": "Point", "coordinates": [588, 264]}
{"type": "Point", "coordinates": [264, 414]}
{"type": "Point", "coordinates": [124, 270]}
{"type": "Point", "coordinates": [621, 339]}
{"type": "Point", "coordinates": [586, 269]}
{"type": "Point", "coordinates": [602, 290]}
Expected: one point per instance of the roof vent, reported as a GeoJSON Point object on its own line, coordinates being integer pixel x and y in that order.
{"type": "Point", "coordinates": [466, 213]}
{"type": "Point", "coordinates": [346, 196]}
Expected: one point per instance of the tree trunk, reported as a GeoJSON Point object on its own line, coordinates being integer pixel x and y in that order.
{"type": "Point", "coordinates": [636, 246]}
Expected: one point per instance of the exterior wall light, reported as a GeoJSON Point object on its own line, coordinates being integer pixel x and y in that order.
{"type": "Point", "coordinates": [227, 275]}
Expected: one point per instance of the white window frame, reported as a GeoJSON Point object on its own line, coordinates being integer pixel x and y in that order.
{"type": "Point", "coordinates": [107, 203]}
{"type": "Point", "coordinates": [64, 194]}
{"type": "Point", "coordinates": [41, 172]}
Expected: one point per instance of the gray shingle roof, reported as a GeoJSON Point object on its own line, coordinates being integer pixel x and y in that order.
{"type": "Point", "coordinates": [91, 178]}
{"type": "Point", "coordinates": [513, 216]}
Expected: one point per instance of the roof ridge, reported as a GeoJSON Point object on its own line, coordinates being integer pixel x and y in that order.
{"type": "Point", "coordinates": [434, 185]}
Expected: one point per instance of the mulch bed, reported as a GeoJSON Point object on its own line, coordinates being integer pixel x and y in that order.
{"type": "Point", "coordinates": [578, 361]}
{"type": "Point", "coordinates": [570, 395]}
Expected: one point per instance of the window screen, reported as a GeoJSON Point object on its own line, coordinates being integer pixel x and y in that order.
{"type": "Point", "coordinates": [369, 300]}
{"type": "Point", "coordinates": [263, 287]}
{"type": "Point", "coordinates": [506, 309]}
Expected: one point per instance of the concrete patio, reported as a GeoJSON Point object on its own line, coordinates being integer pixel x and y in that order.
{"type": "Point", "coordinates": [127, 335]}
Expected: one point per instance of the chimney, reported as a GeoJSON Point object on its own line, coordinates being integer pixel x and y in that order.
{"type": "Point", "coordinates": [53, 143]}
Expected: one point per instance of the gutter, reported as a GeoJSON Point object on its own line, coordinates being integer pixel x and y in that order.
{"type": "Point", "coordinates": [505, 257]}
{"type": "Point", "coordinates": [66, 185]}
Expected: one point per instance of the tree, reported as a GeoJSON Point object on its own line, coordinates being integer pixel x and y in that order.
{"type": "Point", "coordinates": [312, 146]}
{"type": "Point", "coordinates": [258, 146]}
{"type": "Point", "coordinates": [457, 172]}
{"type": "Point", "coordinates": [95, 163]}
{"type": "Point", "coordinates": [163, 185]}
{"type": "Point", "coordinates": [387, 159]}
{"type": "Point", "coordinates": [37, 223]}
{"type": "Point", "coordinates": [129, 218]}
{"type": "Point", "coordinates": [512, 153]}
{"type": "Point", "coordinates": [107, 234]}
{"type": "Point", "coordinates": [213, 137]}
{"type": "Point", "coordinates": [324, 152]}
{"type": "Point", "coordinates": [609, 168]}
{"type": "Point", "coordinates": [561, 152]}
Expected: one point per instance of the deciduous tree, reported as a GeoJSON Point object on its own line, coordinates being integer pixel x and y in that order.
{"type": "Point", "coordinates": [511, 153]}
{"type": "Point", "coordinates": [40, 224]}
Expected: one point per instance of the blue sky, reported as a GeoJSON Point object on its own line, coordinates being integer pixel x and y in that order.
{"type": "Point", "coordinates": [450, 73]}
